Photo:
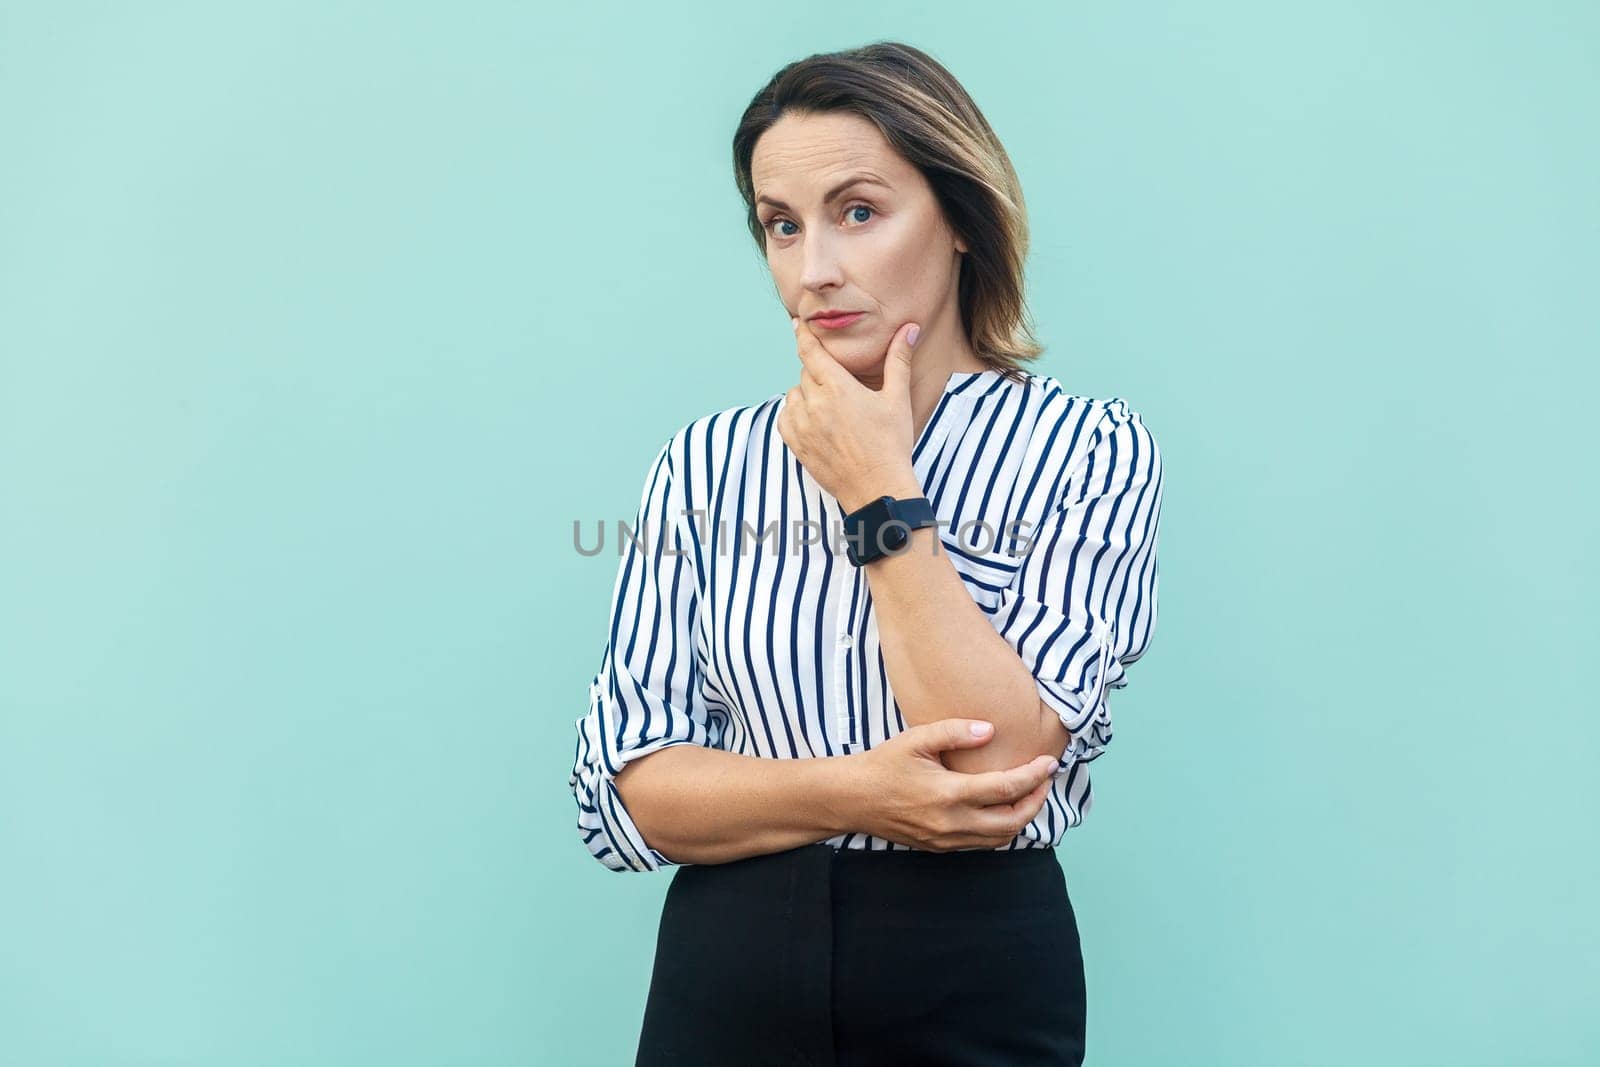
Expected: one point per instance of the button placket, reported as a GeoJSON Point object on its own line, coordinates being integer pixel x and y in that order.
{"type": "Point", "coordinates": [842, 663]}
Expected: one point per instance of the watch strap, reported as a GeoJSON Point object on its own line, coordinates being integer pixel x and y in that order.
{"type": "Point", "coordinates": [883, 526]}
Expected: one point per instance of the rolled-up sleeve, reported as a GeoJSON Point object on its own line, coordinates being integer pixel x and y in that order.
{"type": "Point", "coordinates": [1082, 606]}
{"type": "Point", "coordinates": [646, 694]}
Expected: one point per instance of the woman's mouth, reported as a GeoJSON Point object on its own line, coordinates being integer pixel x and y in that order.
{"type": "Point", "coordinates": [837, 322]}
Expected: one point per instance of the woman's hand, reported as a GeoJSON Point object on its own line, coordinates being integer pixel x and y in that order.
{"type": "Point", "coordinates": [852, 439]}
{"type": "Point", "coordinates": [913, 799]}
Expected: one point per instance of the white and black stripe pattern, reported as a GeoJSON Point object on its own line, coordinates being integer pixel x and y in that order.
{"type": "Point", "coordinates": [772, 650]}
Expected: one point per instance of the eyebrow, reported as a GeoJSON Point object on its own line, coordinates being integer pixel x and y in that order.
{"type": "Point", "coordinates": [833, 194]}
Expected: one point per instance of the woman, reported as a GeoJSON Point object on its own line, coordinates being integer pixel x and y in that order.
{"type": "Point", "coordinates": [869, 721]}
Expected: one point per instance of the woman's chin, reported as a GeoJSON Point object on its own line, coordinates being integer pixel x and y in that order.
{"type": "Point", "coordinates": [869, 370]}
{"type": "Point", "coordinates": [855, 355]}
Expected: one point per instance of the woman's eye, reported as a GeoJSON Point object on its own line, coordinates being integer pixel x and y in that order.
{"type": "Point", "coordinates": [850, 211]}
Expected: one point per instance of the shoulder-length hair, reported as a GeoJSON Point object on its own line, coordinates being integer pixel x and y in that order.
{"type": "Point", "coordinates": [925, 114]}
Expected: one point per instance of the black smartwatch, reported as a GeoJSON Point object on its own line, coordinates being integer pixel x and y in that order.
{"type": "Point", "coordinates": [883, 527]}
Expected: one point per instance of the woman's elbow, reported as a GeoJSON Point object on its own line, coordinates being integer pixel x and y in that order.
{"type": "Point", "coordinates": [1025, 728]}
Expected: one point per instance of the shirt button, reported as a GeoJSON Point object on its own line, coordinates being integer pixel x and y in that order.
{"type": "Point", "coordinates": [844, 639]}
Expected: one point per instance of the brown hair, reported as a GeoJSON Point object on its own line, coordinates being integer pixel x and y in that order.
{"type": "Point", "coordinates": [926, 116]}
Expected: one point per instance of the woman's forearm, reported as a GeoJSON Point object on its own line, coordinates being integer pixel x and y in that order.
{"type": "Point", "coordinates": [695, 804]}
{"type": "Point", "coordinates": [944, 659]}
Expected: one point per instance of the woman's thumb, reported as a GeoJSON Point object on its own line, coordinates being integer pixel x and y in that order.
{"type": "Point", "coordinates": [958, 733]}
{"type": "Point", "coordinates": [897, 362]}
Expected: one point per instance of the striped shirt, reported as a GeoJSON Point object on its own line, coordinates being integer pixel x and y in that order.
{"type": "Point", "coordinates": [738, 622]}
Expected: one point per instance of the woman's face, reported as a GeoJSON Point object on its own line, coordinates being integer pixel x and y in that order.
{"type": "Point", "coordinates": [880, 246]}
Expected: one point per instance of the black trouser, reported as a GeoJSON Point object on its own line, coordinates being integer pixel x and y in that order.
{"type": "Point", "coordinates": [815, 956]}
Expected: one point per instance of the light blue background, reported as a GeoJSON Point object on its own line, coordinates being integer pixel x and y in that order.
{"type": "Point", "coordinates": [320, 324]}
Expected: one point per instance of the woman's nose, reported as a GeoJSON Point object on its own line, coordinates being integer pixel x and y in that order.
{"type": "Point", "coordinates": [819, 264]}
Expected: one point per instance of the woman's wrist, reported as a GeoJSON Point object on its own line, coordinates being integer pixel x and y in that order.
{"type": "Point", "coordinates": [839, 793]}
{"type": "Point", "coordinates": [898, 481]}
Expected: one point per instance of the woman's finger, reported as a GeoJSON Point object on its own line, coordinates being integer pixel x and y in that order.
{"type": "Point", "coordinates": [1006, 787]}
{"type": "Point", "coordinates": [1005, 821]}
{"type": "Point", "coordinates": [823, 368]}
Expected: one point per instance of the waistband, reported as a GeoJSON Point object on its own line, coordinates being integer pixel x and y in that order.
{"type": "Point", "coordinates": [968, 883]}
{"type": "Point", "coordinates": [965, 858]}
